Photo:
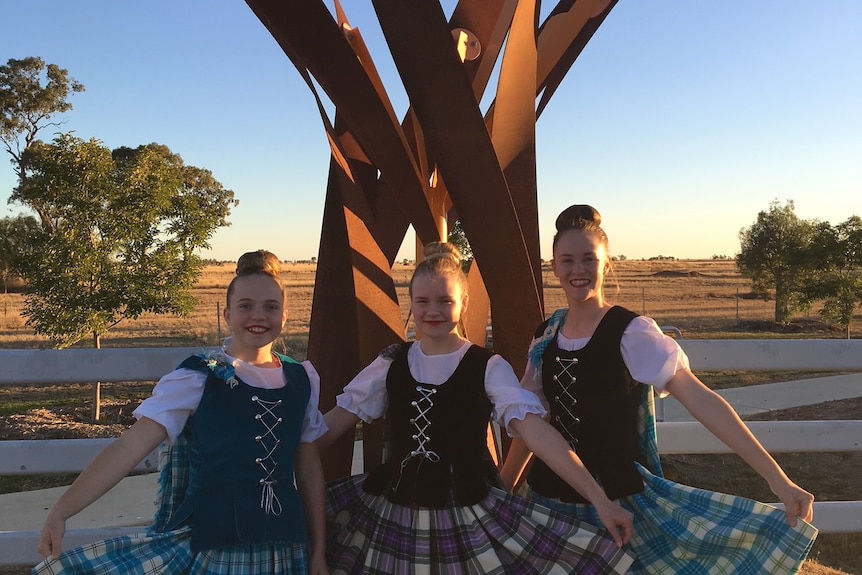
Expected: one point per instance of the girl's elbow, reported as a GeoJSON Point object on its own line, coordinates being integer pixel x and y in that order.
{"type": "Point", "coordinates": [339, 421]}
{"type": "Point", "coordinates": [522, 429]}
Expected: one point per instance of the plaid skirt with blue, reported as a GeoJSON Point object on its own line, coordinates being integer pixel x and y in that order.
{"type": "Point", "coordinates": [684, 530]}
{"type": "Point", "coordinates": [503, 534]}
{"type": "Point", "coordinates": [169, 554]}
{"type": "Point", "coordinates": [161, 552]}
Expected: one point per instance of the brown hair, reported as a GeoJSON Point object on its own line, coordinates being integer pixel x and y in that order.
{"type": "Point", "coordinates": [580, 217]}
{"type": "Point", "coordinates": [260, 262]}
{"type": "Point", "coordinates": [587, 219]}
{"type": "Point", "coordinates": [440, 258]}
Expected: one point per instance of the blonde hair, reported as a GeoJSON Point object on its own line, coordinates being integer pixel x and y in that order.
{"type": "Point", "coordinates": [260, 262]}
{"type": "Point", "coordinates": [440, 258]}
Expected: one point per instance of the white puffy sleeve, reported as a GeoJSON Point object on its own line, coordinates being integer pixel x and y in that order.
{"type": "Point", "coordinates": [532, 382]}
{"type": "Point", "coordinates": [175, 398]}
{"type": "Point", "coordinates": [313, 425]}
{"type": "Point", "coordinates": [651, 356]}
{"type": "Point", "coordinates": [365, 396]}
{"type": "Point", "coordinates": [510, 401]}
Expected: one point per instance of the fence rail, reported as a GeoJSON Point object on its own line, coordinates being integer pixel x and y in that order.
{"type": "Point", "coordinates": [32, 367]}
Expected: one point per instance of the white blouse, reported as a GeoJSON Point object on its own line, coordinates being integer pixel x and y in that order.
{"type": "Point", "coordinates": [177, 395]}
{"type": "Point", "coordinates": [365, 396]}
{"type": "Point", "coordinates": [651, 357]}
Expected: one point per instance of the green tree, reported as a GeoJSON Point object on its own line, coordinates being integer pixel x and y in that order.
{"type": "Point", "coordinates": [458, 238]}
{"type": "Point", "coordinates": [14, 245]}
{"type": "Point", "coordinates": [27, 105]}
{"type": "Point", "coordinates": [838, 249]}
{"type": "Point", "coordinates": [775, 254]}
{"type": "Point", "coordinates": [121, 233]}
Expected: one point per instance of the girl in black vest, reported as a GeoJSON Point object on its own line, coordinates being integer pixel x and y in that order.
{"type": "Point", "coordinates": [595, 366]}
{"type": "Point", "coordinates": [436, 505]}
{"type": "Point", "coordinates": [240, 422]}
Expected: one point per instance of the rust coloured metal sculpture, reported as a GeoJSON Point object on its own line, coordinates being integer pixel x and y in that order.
{"type": "Point", "coordinates": [443, 159]}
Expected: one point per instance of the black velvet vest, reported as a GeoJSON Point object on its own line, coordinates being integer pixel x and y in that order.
{"type": "Point", "coordinates": [593, 401]}
{"type": "Point", "coordinates": [438, 453]}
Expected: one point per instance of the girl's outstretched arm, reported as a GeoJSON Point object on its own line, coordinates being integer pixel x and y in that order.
{"type": "Point", "coordinates": [549, 446]}
{"type": "Point", "coordinates": [719, 418]}
{"type": "Point", "coordinates": [111, 465]}
{"type": "Point", "coordinates": [309, 483]}
{"type": "Point", "coordinates": [339, 421]}
{"type": "Point", "coordinates": [516, 462]}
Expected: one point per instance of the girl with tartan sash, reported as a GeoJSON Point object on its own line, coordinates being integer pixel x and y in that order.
{"type": "Point", "coordinates": [436, 505]}
{"type": "Point", "coordinates": [242, 491]}
{"type": "Point", "coordinates": [595, 366]}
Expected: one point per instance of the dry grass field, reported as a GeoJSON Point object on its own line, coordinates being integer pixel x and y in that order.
{"type": "Point", "coordinates": [703, 299]}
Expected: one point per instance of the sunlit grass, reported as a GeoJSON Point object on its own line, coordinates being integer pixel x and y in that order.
{"type": "Point", "coordinates": [702, 298]}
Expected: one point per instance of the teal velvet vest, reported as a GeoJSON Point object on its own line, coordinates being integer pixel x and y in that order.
{"type": "Point", "coordinates": [242, 442]}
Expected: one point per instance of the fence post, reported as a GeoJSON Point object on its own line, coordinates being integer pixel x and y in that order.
{"type": "Point", "coordinates": [97, 400]}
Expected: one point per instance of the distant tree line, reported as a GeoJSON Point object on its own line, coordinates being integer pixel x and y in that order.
{"type": "Point", "coordinates": [798, 262]}
{"type": "Point", "coordinates": [111, 234]}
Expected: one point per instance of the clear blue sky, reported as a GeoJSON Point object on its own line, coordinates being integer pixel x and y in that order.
{"type": "Point", "coordinates": [680, 121]}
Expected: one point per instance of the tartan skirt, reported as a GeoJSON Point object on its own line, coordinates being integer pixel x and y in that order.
{"type": "Point", "coordinates": [503, 534]}
{"type": "Point", "coordinates": [684, 530]}
{"type": "Point", "coordinates": [169, 554]}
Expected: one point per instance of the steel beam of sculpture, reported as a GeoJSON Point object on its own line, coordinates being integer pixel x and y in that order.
{"type": "Point", "coordinates": [444, 159]}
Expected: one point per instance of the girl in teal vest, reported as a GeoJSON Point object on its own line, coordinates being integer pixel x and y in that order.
{"type": "Point", "coordinates": [595, 367]}
{"type": "Point", "coordinates": [436, 504]}
{"type": "Point", "coordinates": [242, 489]}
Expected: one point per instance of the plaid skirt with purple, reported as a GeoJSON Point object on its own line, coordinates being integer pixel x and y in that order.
{"type": "Point", "coordinates": [503, 534]}
{"type": "Point", "coordinates": [684, 530]}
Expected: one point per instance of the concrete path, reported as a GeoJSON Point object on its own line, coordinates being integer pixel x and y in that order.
{"type": "Point", "coordinates": [754, 399]}
{"type": "Point", "coordinates": [131, 501]}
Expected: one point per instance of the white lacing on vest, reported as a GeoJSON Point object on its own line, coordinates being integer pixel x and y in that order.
{"type": "Point", "coordinates": [421, 422]}
{"type": "Point", "coordinates": [269, 441]}
{"type": "Point", "coordinates": [566, 400]}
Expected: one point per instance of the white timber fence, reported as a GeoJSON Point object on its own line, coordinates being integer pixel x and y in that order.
{"type": "Point", "coordinates": [40, 367]}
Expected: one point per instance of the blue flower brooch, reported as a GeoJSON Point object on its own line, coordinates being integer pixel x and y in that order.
{"type": "Point", "coordinates": [218, 363]}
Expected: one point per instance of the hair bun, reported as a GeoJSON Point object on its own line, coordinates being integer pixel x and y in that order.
{"type": "Point", "coordinates": [260, 261]}
{"type": "Point", "coordinates": [441, 250]}
{"type": "Point", "coordinates": [570, 216]}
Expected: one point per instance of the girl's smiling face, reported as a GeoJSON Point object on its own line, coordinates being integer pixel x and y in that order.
{"type": "Point", "coordinates": [438, 302]}
{"type": "Point", "coordinates": [255, 313]}
{"type": "Point", "coordinates": [580, 263]}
